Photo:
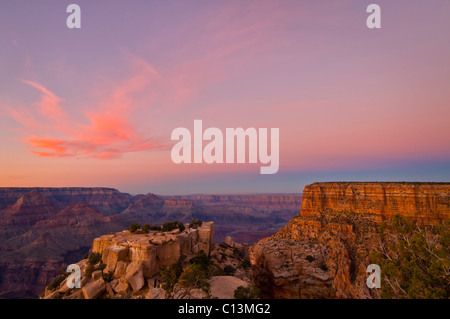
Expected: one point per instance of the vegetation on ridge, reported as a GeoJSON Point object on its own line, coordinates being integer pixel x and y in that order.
{"type": "Point", "coordinates": [414, 260]}
{"type": "Point", "coordinates": [136, 228]}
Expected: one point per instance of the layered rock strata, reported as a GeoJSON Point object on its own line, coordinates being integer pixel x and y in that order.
{"type": "Point", "coordinates": [323, 252]}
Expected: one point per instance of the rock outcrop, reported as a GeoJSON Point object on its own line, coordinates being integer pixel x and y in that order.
{"type": "Point", "coordinates": [133, 262]}
{"type": "Point", "coordinates": [153, 251]}
{"type": "Point", "coordinates": [323, 252]}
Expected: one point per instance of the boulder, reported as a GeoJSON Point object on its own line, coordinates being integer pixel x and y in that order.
{"type": "Point", "coordinates": [85, 280]}
{"type": "Point", "coordinates": [109, 290]}
{"type": "Point", "coordinates": [112, 255]}
{"type": "Point", "coordinates": [228, 241]}
{"type": "Point", "coordinates": [223, 287]}
{"type": "Point", "coordinates": [121, 268]}
{"type": "Point", "coordinates": [94, 289]}
{"type": "Point", "coordinates": [97, 274]}
{"type": "Point", "coordinates": [135, 276]}
{"type": "Point", "coordinates": [145, 254]}
{"type": "Point", "coordinates": [113, 283]}
{"type": "Point", "coordinates": [121, 287]}
{"type": "Point", "coordinates": [156, 293]}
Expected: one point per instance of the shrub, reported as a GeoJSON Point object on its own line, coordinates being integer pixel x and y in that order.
{"type": "Point", "coordinates": [241, 293]}
{"type": "Point", "coordinates": [229, 270]}
{"type": "Point", "coordinates": [56, 282]}
{"type": "Point", "coordinates": [310, 258]}
{"type": "Point", "coordinates": [245, 263]}
{"type": "Point", "coordinates": [324, 267]}
{"type": "Point", "coordinates": [134, 227]}
{"type": "Point", "coordinates": [250, 292]}
{"type": "Point", "coordinates": [169, 276]}
{"type": "Point", "coordinates": [194, 276]}
{"type": "Point", "coordinates": [195, 223]}
{"type": "Point", "coordinates": [94, 258]}
{"type": "Point", "coordinates": [101, 266]}
{"type": "Point", "coordinates": [201, 259]}
{"type": "Point", "coordinates": [89, 270]}
{"type": "Point", "coordinates": [146, 228]}
{"type": "Point", "coordinates": [109, 276]}
{"type": "Point", "coordinates": [414, 260]}
{"type": "Point", "coordinates": [169, 226]}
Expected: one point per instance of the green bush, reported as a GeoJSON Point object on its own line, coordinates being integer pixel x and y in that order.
{"type": "Point", "coordinates": [201, 259]}
{"type": "Point", "coordinates": [310, 258]}
{"type": "Point", "coordinates": [94, 258]}
{"type": "Point", "coordinates": [229, 270]}
{"type": "Point", "coordinates": [195, 223]}
{"type": "Point", "coordinates": [245, 263]}
{"type": "Point", "coordinates": [109, 276]}
{"type": "Point", "coordinates": [414, 260]}
{"type": "Point", "coordinates": [195, 276]}
{"type": "Point", "coordinates": [56, 282]}
{"type": "Point", "coordinates": [102, 266]}
{"type": "Point", "coordinates": [169, 226]}
{"type": "Point", "coordinates": [146, 228]}
{"type": "Point", "coordinates": [89, 270]}
{"type": "Point", "coordinates": [170, 276]}
{"type": "Point", "coordinates": [134, 227]}
{"type": "Point", "coordinates": [323, 267]}
{"type": "Point", "coordinates": [250, 292]}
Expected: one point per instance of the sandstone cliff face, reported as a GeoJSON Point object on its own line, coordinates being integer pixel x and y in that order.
{"type": "Point", "coordinates": [324, 251]}
{"type": "Point", "coordinates": [426, 202]}
{"type": "Point", "coordinates": [155, 250]}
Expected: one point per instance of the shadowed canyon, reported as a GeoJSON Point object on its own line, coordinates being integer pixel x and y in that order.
{"type": "Point", "coordinates": [44, 229]}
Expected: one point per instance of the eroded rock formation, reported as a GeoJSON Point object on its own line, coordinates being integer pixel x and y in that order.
{"type": "Point", "coordinates": [323, 252]}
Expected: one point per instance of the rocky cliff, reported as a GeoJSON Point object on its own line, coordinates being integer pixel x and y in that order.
{"type": "Point", "coordinates": [323, 252]}
{"type": "Point", "coordinates": [130, 265]}
{"type": "Point", "coordinates": [133, 262]}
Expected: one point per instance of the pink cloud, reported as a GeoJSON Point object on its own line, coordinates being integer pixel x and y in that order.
{"type": "Point", "coordinates": [108, 133]}
{"type": "Point", "coordinates": [49, 104]}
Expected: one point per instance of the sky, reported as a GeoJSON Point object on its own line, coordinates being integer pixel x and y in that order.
{"type": "Point", "coordinates": [96, 106]}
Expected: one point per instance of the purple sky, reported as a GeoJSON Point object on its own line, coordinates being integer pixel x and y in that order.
{"type": "Point", "coordinates": [96, 106]}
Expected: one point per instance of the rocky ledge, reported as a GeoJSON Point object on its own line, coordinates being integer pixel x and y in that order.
{"type": "Point", "coordinates": [129, 265]}
{"type": "Point", "coordinates": [134, 261]}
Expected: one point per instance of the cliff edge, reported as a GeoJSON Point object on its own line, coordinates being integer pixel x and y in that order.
{"type": "Point", "coordinates": [323, 252]}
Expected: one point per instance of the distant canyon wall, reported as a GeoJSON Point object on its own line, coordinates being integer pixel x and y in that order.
{"type": "Point", "coordinates": [43, 229]}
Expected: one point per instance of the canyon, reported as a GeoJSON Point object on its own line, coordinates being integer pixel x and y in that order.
{"type": "Point", "coordinates": [314, 245]}
{"type": "Point", "coordinates": [324, 251]}
{"type": "Point", "coordinates": [44, 229]}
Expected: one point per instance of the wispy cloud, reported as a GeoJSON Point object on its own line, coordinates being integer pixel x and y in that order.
{"type": "Point", "coordinates": [109, 131]}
